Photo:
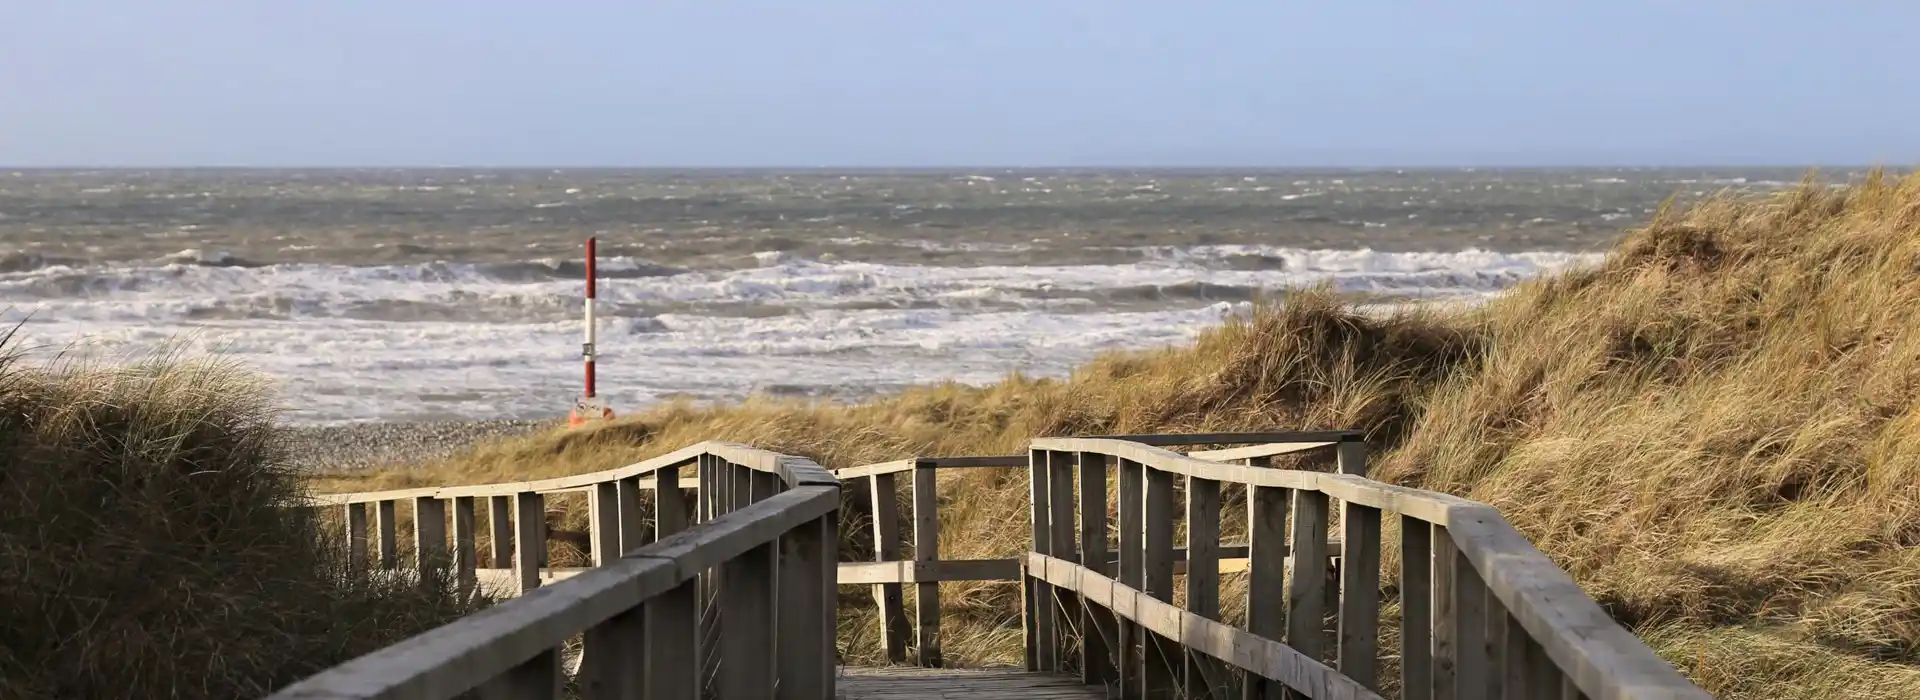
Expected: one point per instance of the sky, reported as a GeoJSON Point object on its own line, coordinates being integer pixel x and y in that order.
{"type": "Point", "coordinates": [924, 83]}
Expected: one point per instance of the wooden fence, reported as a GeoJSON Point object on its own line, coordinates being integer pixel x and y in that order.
{"type": "Point", "coordinates": [759, 544]}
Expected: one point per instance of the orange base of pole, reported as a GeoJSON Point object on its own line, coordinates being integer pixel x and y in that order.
{"type": "Point", "coordinates": [588, 410]}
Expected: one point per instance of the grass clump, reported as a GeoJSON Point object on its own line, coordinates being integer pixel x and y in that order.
{"type": "Point", "coordinates": [1716, 431]}
{"type": "Point", "coordinates": [145, 550]}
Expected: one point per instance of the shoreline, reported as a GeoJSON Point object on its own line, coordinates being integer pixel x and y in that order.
{"type": "Point", "coordinates": [357, 446]}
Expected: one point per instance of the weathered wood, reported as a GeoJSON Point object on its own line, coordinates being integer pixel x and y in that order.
{"type": "Point", "coordinates": [1306, 591]}
{"type": "Point", "coordinates": [909, 683]}
{"type": "Point", "coordinates": [669, 504]}
{"type": "Point", "coordinates": [672, 644]}
{"type": "Point", "coordinates": [1264, 657]}
{"type": "Point", "coordinates": [1474, 670]}
{"type": "Point", "coordinates": [1098, 628]}
{"type": "Point", "coordinates": [1040, 631]}
{"type": "Point", "coordinates": [603, 509]}
{"type": "Point", "coordinates": [613, 658]}
{"type": "Point", "coordinates": [500, 525]}
{"type": "Point", "coordinates": [1416, 609]}
{"type": "Point", "coordinates": [926, 548]}
{"type": "Point", "coordinates": [1359, 618]}
{"type": "Point", "coordinates": [804, 653]}
{"type": "Point", "coordinates": [894, 627]}
{"type": "Point", "coordinates": [1236, 454]}
{"type": "Point", "coordinates": [1179, 439]}
{"type": "Point", "coordinates": [537, 678]}
{"type": "Point", "coordinates": [429, 539]}
{"type": "Point", "coordinates": [1131, 653]}
{"type": "Point", "coordinates": [748, 629]}
{"type": "Point", "coordinates": [1266, 576]}
{"type": "Point", "coordinates": [529, 538]}
{"type": "Point", "coordinates": [386, 523]}
{"type": "Point", "coordinates": [1162, 663]}
{"type": "Point", "coordinates": [1203, 677]}
{"type": "Point", "coordinates": [1444, 611]}
{"type": "Point", "coordinates": [1060, 542]}
{"type": "Point", "coordinates": [1511, 658]}
{"type": "Point", "coordinates": [633, 518]}
{"type": "Point", "coordinates": [877, 572]}
{"type": "Point", "coordinates": [466, 544]}
{"type": "Point", "coordinates": [356, 537]}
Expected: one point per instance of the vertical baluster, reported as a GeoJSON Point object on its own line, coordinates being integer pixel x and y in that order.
{"type": "Point", "coordinates": [894, 628]}
{"type": "Point", "coordinates": [1061, 545]}
{"type": "Point", "coordinates": [603, 507]}
{"type": "Point", "coordinates": [1359, 614]}
{"type": "Point", "coordinates": [466, 545]}
{"type": "Point", "coordinates": [500, 522]}
{"type": "Point", "coordinates": [1098, 629]}
{"type": "Point", "coordinates": [672, 621]}
{"type": "Point", "coordinates": [805, 672]}
{"type": "Point", "coordinates": [387, 524]}
{"type": "Point", "coordinates": [1205, 677]}
{"type": "Point", "coordinates": [669, 502]}
{"type": "Point", "coordinates": [633, 519]}
{"type": "Point", "coordinates": [1266, 575]}
{"type": "Point", "coordinates": [926, 548]}
{"type": "Point", "coordinates": [529, 538]}
{"type": "Point", "coordinates": [613, 662]}
{"type": "Point", "coordinates": [747, 631]}
{"type": "Point", "coordinates": [1416, 609]}
{"type": "Point", "coordinates": [1162, 655]}
{"type": "Point", "coordinates": [1444, 614]}
{"type": "Point", "coordinates": [1036, 594]}
{"type": "Point", "coordinates": [1512, 656]}
{"type": "Point", "coordinates": [1543, 677]}
{"type": "Point", "coordinates": [1306, 592]}
{"type": "Point", "coordinates": [429, 540]}
{"type": "Point", "coordinates": [356, 537]}
{"type": "Point", "coordinates": [1474, 672]}
{"type": "Point", "coordinates": [1132, 573]}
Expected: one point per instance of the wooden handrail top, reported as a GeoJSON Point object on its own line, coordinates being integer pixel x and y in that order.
{"type": "Point", "coordinates": [906, 465]}
{"type": "Point", "coordinates": [801, 471]}
{"type": "Point", "coordinates": [1604, 659]}
{"type": "Point", "coordinates": [1180, 439]}
{"type": "Point", "coordinates": [1257, 451]}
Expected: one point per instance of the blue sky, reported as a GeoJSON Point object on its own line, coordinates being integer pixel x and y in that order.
{"type": "Point", "coordinates": [974, 83]}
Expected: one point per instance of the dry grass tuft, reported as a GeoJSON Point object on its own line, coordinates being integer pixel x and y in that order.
{"type": "Point", "coordinates": [144, 549]}
{"type": "Point", "coordinates": [1717, 431]}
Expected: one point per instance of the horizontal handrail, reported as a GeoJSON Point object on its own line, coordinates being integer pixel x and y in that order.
{"type": "Point", "coordinates": [1271, 449]}
{"type": "Point", "coordinates": [1179, 439]}
{"type": "Point", "coordinates": [732, 452]}
{"type": "Point", "coordinates": [1599, 657]}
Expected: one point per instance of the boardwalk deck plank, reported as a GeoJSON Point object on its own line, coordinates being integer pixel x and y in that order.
{"type": "Point", "coordinates": [905, 682]}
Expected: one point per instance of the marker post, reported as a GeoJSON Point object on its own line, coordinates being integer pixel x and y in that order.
{"type": "Point", "coordinates": [589, 407]}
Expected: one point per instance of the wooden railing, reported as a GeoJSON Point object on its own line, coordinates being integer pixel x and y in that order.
{"type": "Point", "coordinates": [758, 543]}
{"type": "Point", "coordinates": [1482, 613]}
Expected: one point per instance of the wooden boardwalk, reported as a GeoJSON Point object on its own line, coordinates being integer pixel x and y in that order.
{"type": "Point", "coordinates": [914, 683]}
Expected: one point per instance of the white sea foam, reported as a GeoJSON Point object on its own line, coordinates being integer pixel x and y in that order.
{"type": "Point", "coordinates": [455, 339]}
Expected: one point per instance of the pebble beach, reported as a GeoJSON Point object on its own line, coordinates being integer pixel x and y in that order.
{"type": "Point", "coordinates": [364, 445]}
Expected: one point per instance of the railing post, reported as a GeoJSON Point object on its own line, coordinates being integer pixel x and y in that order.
{"type": "Point", "coordinates": [1066, 603]}
{"type": "Point", "coordinates": [466, 557]}
{"type": "Point", "coordinates": [356, 537]}
{"type": "Point", "coordinates": [747, 626]}
{"type": "Point", "coordinates": [1443, 614]}
{"type": "Point", "coordinates": [613, 657]}
{"type": "Point", "coordinates": [1132, 571]}
{"type": "Point", "coordinates": [926, 548]}
{"type": "Point", "coordinates": [1162, 653]}
{"type": "Point", "coordinates": [1416, 609]}
{"type": "Point", "coordinates": [1359, 614]}
{"type": "Point", "coordinates": [894, 628]}
{"type": "Point", "coordinates": [1204, 676]}
{"type": "Point", "coordinates": [1037, 595]}
{"type": "Point", "coordinates": [603, 508]}
{"type": "Point", "coordinates": [537, 678]}
{"type": "Point", "coordinates": [673, 643]}
{"type": "Point", "coordinates": [1306, 593]}
{"type": "Point", "coordinates": [1475, 675]}
{"type": "Point", "coordinates": [386, 523]}
{"type": "Point", "coordinates": [1266, 575]}
{"type": "Point", "coordinates": [633, 520]}
{"type": "Point", "coordinates": [500, 523]}
{"type": "Point", "coordinates": [529, 538]}
{"type": "Point", "coordinates": [669, 503]}
{"type": "Point", "coordinates": [805, 673]}
{"type": "Point", "coordinates": [429, 538]}
{"type": "Point", "coordinates": [1098, 629]}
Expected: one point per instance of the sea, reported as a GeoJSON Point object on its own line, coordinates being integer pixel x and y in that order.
{"type": "Point", "coordinates": [456, 294]}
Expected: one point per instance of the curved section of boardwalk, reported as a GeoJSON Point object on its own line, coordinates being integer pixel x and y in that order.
{"type": "Point", "coordinates": [724, 586]}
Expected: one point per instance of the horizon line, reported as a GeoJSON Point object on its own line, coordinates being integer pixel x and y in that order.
{"type": "Point", "coordinates": [952, 167]}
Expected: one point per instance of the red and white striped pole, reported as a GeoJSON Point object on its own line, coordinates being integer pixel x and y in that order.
{"type": "Point", "coordinates": [589, 407]}
{"type": "Point", "coordinates": [586, 351]}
